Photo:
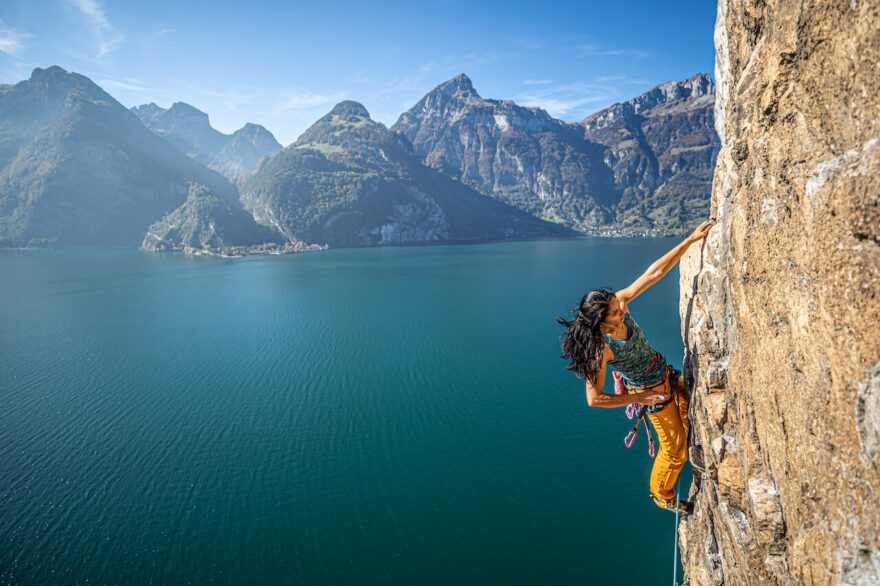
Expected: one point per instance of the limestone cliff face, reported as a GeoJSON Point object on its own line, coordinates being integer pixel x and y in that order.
{"type": "Point", "coordinates": [780, 307]}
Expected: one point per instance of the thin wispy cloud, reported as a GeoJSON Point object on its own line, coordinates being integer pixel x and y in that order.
{"type": "Point", "coordinates": [359, 77]}
{"type": "Point", "coordinates": [573, 100]}
{"type": "Point", "coordinates": [167, 31]}
{"type": "Point", "coordinates": [409, 82]}
{"type": "Point", "coordinates": [232, 99]}
{"type": "Point", "coordinates": [125, 85]}
{"type": "Point", "coordinates": [12, 42]}
{"type": "Point", "coordinates": [559, 107]}
{"type": "Point", "coordinates": [537, 81]}
{"type": "Point", "coordinates": [304, 99]}
{"type": "Point", "coordinates": [595, 51]}
{"type": "Point", "coordinates": [109, 39]}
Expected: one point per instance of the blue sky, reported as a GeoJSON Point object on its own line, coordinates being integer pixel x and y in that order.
{"type": "Point", "coordinates": [284, 64]}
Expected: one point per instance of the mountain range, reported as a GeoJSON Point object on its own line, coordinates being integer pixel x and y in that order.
{"type": "Point", "coordinates": [350, 181]}
{"type": "Point", "coordinates": [78, 168]}
{"type": "Point", "coordinates": [642, 165]}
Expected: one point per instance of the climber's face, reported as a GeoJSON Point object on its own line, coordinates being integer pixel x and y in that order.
{"type": "Point", "coordinates": [615, 315]}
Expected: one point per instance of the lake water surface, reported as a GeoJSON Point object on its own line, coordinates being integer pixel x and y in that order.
{"type": "Point", "coordinates": [363, 416]}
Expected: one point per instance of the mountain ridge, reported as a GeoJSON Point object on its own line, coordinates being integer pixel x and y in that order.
{"type": "Point", "coordinates": [189, 130]}
{"type": "Point", "coordinates": [596, 182]}
{"type": "Point", "coordinates": [632, 168]}
{"type": "Point", "coordinates": [350, 181]}
{"type": "Point", "coordinates": [78, 168]}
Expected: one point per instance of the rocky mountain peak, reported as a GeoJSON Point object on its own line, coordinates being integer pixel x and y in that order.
{"type": "Point", "coordinates": [348, 124]}
{"type": "Point", "coordinates": [54, 83]}
{"type": "Point", "coordinates": [256, 134]}
{"type": "Point", "coordinates": [147, 112]}
{"type": "Point", "coordinates": [184, 110]}
{"type": "Point", "coordinates": [189, 129]}
{"type": "Point", "coordinates": [461, 84]}
{"type": "Point", "coordinates": [698, 86]}
{"type": "Point", "coordinates": [348, 110]}
{"type": "Point", "coordinates": [49, 72]}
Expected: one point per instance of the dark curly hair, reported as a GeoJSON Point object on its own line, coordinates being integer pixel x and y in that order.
{"type": "Point", "coordinates": [582, 341]}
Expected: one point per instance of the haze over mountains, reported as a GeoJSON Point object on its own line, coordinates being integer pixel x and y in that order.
{"type": "Point", "coordinates": [78, 168]}
{"type": "Point", "coordinates": [189, 129]}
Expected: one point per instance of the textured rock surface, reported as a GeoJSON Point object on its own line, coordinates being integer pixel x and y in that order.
{"type": "Point", "coordinates": [780, 306]}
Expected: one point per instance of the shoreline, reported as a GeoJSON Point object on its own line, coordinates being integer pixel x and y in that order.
{"type": "Point", "coordinates": [221, 253]}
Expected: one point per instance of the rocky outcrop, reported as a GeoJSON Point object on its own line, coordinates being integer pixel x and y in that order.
{"type": "Point", "coordinates": [780, 306]}
{"type": "Point", "coordinates": [206, 221]}
{"type": "Point", "coordinates": [190, 131]}
{"type": "Point", "coordinates": [642, 166]}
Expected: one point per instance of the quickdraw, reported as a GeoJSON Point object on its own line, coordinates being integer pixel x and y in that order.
{"type": "Point", "coordinates": [637, 411]}
{"type": "Point", "coordinates": [631, 436]}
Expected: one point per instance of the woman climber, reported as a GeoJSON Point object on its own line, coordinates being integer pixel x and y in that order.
{"type": "Point", "coordinates": [603, 333]}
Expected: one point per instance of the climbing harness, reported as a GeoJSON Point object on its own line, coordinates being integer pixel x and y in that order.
{"type": "Point", "coordinates": [640, 412]}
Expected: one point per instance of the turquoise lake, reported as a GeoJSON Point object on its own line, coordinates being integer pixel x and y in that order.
{"type": "Point", "coordinates": [359, 416]}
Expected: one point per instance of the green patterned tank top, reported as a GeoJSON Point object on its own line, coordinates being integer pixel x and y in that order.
{"type": "Point", "coordinates": [634, 357]}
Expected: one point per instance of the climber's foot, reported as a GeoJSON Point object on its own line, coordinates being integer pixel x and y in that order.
{"type": "Point", "coordinates": [685, 508]}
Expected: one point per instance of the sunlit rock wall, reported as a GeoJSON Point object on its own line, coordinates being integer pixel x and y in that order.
{"type": "Point", "coordinates": [780, 307]}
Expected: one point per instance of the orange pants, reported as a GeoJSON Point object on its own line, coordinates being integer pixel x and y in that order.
{"type": "Point", "coordinates": [671, 425]}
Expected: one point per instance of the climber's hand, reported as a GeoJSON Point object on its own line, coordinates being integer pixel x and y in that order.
{"type": "Point", "coordinates": [652, 397]}
{"type": "Point", "coordinates": [700, 233]}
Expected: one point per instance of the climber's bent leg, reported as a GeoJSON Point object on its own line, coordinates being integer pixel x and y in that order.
{"type": "Point", "coordinates": [673, 452]}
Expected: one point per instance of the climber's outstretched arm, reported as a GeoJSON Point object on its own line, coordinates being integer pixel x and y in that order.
{"type": "Point", "coordinates": [660, 267]}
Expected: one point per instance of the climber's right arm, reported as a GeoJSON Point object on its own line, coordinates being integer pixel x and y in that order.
{"type": "Point", "coordinates": [596, 398]}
